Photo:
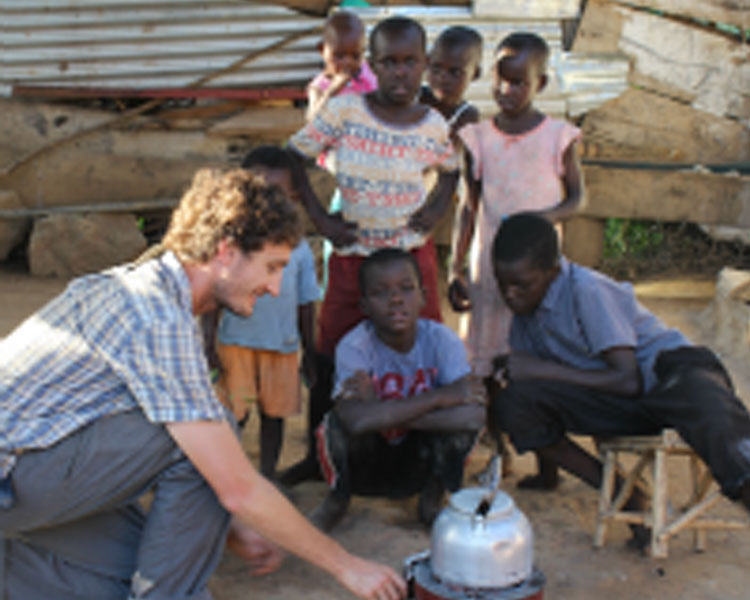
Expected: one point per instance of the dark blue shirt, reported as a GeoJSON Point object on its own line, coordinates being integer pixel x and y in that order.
{"type": "Point", "coordinates": [585, 313]}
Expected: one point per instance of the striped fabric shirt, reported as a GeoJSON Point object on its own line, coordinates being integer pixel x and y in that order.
{"type": "Point", "coordinates": [111, 342]}
{"type": "Point", "coordinates": [379, 168]}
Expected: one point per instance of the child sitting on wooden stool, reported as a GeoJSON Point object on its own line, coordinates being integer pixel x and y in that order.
{"type": "Point", "coordinates": [587, 358]}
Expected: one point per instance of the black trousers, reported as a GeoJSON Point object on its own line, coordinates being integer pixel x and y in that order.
{"type": "Point", "coordinates": [694, 395]}
{"type": "Point", "coordinates": [369, 465]}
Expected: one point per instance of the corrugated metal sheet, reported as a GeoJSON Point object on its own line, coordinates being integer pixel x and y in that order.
{"type": "Point", "coordinates": [141, 44]}
{"type": "Point", "coordinates": [157, 44]}
{"type": "Point", "coordinates": [577, 82]}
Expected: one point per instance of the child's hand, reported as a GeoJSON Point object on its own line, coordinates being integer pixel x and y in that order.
{"type": "Point", "coordinates": [340, 232]}
{"type": "Point", "coordinates": [338, 82]}
{"type": "Point", "coordinates": [500, 370]}
{"type": "Point", "coordinates": [520, 366]}
{"type": "Point", "coordinates": [425, 218]}
{"type": "Point", "coordinates": [477, 392]}
{"type": "Point", "coordinates": [359, 387]}
{"type": "Point", "coordinates": [458, 294]}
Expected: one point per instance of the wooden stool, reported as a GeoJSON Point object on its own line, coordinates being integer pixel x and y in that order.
{"type": "Point", "coordinates": [653, 450]}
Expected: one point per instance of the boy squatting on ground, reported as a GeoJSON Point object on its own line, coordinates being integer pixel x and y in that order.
{"type": "Point", "coordinates": [381, 145]}
{"type": "Point", "coordinates": [586, 358]}
{"type": "Point", "coordinates": [407, 411]}
{"type": "Point", "coordinates": [106, 394]}
{"type": "Point", "coordinates": [258, 355]}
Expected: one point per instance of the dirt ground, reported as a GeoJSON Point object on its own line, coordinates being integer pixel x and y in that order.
{"type": "Point", "coordinates": [563, 521]}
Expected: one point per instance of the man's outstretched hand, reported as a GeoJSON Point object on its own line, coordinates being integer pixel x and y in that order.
{"type": "Point", "coordinates": [371, 581]}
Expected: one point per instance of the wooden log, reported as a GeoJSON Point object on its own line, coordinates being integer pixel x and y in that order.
{"type": "Point", "coordinates": [687, 289]}
{"type": "Point", "coordinates": [716, 11]}
{"type": "Point", "coordinates": [600, 28]}
{"type": "Point", "coordinates": [11, 231]}
{"type": "Point", "coordinates": [693, 196]}
{"type": "Point", "coordinates": [119, 166]}
{"type": "Point", "coordinates": [711, 68]}
{"type": "Point", "coordinates": [311, 7]}
{"type": "Point", "coordinates": [26, 127]}
{"type": "Point", "coordinates": [322, 7]}
{"type": "Point", "coordinates": [645, 126]}
{"type": "Point", "coordinates": [274, 123]}
{"type": "Point", "coordinates": [671, 57]}
{"type": "Point", "coordinates": [527, 9]}
{"type": "Point", "coordinates": [583, 240]}
{"type": "Point", "coordinates": [728, 315]}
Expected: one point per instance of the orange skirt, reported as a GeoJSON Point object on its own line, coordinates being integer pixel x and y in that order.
{"type": "Point", "coordinates": [250, 375]}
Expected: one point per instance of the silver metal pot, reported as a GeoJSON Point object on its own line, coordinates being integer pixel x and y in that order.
{"type": "Point", "coordinates": [481, 546]}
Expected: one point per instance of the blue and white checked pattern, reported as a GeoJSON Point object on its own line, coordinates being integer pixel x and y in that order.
{"type": "Point", "coordinates": [114, 341]}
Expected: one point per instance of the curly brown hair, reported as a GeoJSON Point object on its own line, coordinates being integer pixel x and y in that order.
{"type": "Point", "coordinates": [235, 206]}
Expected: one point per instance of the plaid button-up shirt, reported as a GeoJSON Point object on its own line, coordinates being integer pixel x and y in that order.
{"type": "Point", "coordinates": [111, 342]}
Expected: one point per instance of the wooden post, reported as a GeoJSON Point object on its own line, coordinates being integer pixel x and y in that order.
{"type": "Point", "coordinates": [605, 497]}
{"type": "Point", "coordinates": [583, 240]}
{"type": "Point", "coordinates": [659, 540]}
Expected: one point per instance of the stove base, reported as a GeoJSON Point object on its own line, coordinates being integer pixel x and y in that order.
{"type": "Point", "coordinates": [425, 586]}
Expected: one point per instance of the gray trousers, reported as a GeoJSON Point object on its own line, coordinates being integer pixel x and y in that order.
{"type": "Point", "coordinates": [78, 532]}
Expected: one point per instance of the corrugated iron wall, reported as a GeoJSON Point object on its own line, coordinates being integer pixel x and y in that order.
{"type": "Point", "coordinates": [150, 45]}
{"type": "Point", "coordinates": [577, 82]}
{"type": "Point", "coordinates": [171, 44]}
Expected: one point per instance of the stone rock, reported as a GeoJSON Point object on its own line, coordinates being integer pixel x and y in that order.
{"type": "Point", "coordinates": [728, 315]}
{"type": "Point", "coordinates": [71, 245]}
{"type": "Point", "coordinates": [12, 231]}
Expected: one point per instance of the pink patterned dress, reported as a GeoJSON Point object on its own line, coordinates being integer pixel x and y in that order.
{"type": "Point", "coordinates": [518, 173]}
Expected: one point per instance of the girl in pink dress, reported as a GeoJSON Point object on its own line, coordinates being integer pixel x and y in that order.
{"type": "Point", "coordinates": [519, 161]}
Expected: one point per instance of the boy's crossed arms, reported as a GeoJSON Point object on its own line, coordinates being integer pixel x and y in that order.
{"type": "Point", "coordinates": [454, 407]}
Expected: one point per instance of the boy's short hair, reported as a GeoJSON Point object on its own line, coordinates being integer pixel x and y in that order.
{"type": "Point", "coordinates": [342, 22]}
{"type": "Point", "coordinates": [526, 235]}
{"type": "Point", "coordinates": [271, 157]}
{"type": "Point", "coordinates": [394, 27]}
{"type": "Point", "coordinates": [235, 206]}
{"type": "Point", "coordinates": [524, 41]}
{"type": "Point", "coordinates": [382, 257]}
{"type": "Point", "coordinates": [460, 36]}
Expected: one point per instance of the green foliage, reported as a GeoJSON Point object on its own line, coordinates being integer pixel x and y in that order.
{"type": "Point", "coordinates": [625, 238]}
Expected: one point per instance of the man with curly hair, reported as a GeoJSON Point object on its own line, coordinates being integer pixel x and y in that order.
{"type": "Point", "coordinates": [105, 394]}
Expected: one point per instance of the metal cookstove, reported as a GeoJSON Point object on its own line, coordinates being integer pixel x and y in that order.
{"type": "Point", "coordinates": [481, 547]}
{"type": "Point", "coordinates": [424, 585]}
